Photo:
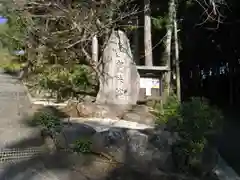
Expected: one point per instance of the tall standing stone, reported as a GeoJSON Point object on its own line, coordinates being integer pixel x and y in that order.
{"type": "Point", "coordinates": [120, 81]}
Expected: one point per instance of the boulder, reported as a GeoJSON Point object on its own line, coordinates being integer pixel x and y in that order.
{"type": "Point", "coordinates": [100, 110]}
{"type": "Point", "coordinates": [112, 142]}
{"type": "Point", "coordinates": [137, 113]}
{"type": "Point", "coordinates": [71, 133]}
{"type": "Point", "coordinates": [88, 109]}
{"type": "Point", "coordinates": [71, 109]}
{"type": "Point", "coordinates": [120, 80]}
{"type": "Point", "coordinates": [136, 149]}
{"type": "Point", "coordinates": [140, 114]}
{"type": "Point", "coordinates": [139, 117]}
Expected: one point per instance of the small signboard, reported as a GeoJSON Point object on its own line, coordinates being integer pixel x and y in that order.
{"type": "Point", "coordinates": [149, 83]}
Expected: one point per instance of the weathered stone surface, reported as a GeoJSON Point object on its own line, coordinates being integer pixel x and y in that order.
{"type": "Point", "coordinates": [112, 142]}
{"type": "Point", "coordinates": [71, 133]}
{"type": "Point", "coordinates": [135, 148]}
{"type": "Point", "coordinates": [88, 109]}
{"type": "Point", "coordinates": [144, 150]}
{"type": "Point", "coordinates": [71, 109]}
{"type": "Point", "coordinates": [140, 114]}
{"type": "Point", "coordinates": [88, 99]}
{"type": "Point", "coordinates": [144, 118]}
{"type": "Point", "coordinates": [140, 108]}
{"type": "Point", "coordinates": [120, 81]}
{"type": "Point", "coordinates": [100, 111]}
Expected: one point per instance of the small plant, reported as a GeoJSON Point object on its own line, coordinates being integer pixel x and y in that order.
{"type": "Point", "coordinates": [82, 145]}
{"type": "Point", "coordinates": [48, 121]}
{"type": "Point", "coordinates": [169, 111]}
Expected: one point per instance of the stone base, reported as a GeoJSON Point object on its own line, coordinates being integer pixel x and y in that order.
{"type": "Point", "coordinates": [136, 113]}
{"type": "Point", "coordinates": [130, 147]}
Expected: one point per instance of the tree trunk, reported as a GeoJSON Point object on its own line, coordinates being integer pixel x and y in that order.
{"type": "Point", "coordinates": [178, 76]}
{"type": "Point", "coordinates": [147, 34]}
{"type": "Point", "coordinates": [167, 53]}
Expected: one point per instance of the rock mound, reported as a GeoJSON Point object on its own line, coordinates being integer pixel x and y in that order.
{"type": "Point", "coordinates": [136, 113]}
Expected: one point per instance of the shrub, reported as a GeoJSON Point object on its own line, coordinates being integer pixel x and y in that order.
{"type": "Point", "coordinates": [47, 120]}
{"type": "Point", "coordinates": [62, 82]}
{"type": "Point", "coordinates": [83, 145]}
{"type": "Point", "coordinates": [11, 67]}
{"type": "Point", "coordinates": [9, 62]}
{"type": "Point", "coordinates": [198, 118]}
{"type": "Point", "coordinates": [193, 120]}
{"type": "Point", "coordinates": [169, 111]}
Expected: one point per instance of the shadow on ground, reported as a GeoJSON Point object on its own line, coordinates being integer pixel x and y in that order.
{"type": "Point", "coordinates": [63, 165]}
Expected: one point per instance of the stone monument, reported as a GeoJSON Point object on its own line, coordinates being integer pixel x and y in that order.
{"type": "Point", "coordinates": [119, 81]}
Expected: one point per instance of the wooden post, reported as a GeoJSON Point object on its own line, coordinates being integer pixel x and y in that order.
{"type": "Point", "coordinates": [95, 49]}
{"type": "Point", "coordinates": [147, 34]}
{"type": "Point", "coordinates": [136, 42]}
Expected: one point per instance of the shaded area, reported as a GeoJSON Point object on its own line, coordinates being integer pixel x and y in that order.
{"type": "Point", "coordinates": [67, 165]}
{"type": "Point", "coordinates": [229, 147]}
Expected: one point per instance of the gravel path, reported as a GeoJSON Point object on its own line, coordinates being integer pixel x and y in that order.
{"type": "Point", "coordinates": [14, 133]}
{"type": "Point", "coordinates": [13, 107]}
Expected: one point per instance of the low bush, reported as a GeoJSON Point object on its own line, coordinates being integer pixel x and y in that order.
{"type": "Point", "coordinates": [47, 120]}
{"type": "Point", "coordinates": [11, 67]}
{"type": "Point", "coordinates": [82, 145]}
{"type": "Point", "coordinates": [9, 62]}
{"type": "Point", "coordinates": [63, 83]}
{"type": "Point", "coordinates": [194, 120]}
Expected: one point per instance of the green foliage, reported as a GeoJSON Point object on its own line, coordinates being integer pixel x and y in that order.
{"type": "Point", "coordinates": [47, 120]}
{"type": "Point", "coordinates": [5, 56]}
{"type": "Point", "coordinates": [193, 120]}
{"type": "Point", "coordinates": [199, 118]}
{"type": "Point", "coordinates": [66, 38]}
{"type": "Point", "coordinates": [58, 45]}
{"type": "Point", "coordinates": [64, 82]}
{"type": "Point", "coordinates": [82, 145]}
{"type": "Point", "coordinates": [9, 62]}
{"type": "Point", "coordinates": [11, 67]}
{"type": "Point", "coordinates": [189, 3]}
{"type": "Point", "coordinates": [160, 22]}
{"type": "Point", "coordinates": [13, 33]}
{"type": "Point", "coordinates": [170, 110]}
{"type": "Point", "coordinates": [82, 78]}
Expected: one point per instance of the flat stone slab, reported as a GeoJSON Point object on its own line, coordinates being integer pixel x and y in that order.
{"type": "Point", "coordinates": [106, 123]}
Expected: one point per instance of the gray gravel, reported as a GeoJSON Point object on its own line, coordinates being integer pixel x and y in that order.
{"type": "Point", "coordinates": [14, 133]}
